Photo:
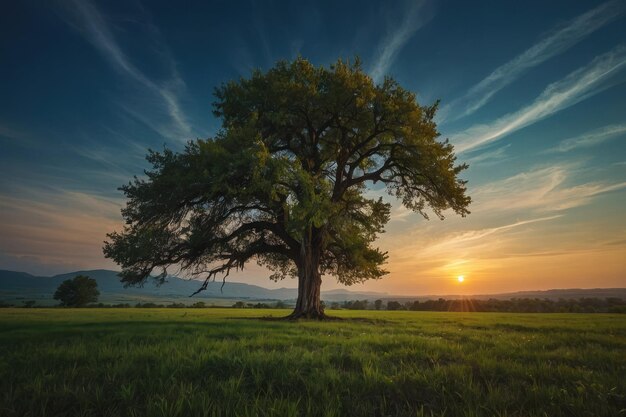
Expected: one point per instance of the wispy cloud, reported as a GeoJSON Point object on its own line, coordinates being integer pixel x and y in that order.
{"type": "Point", "coordinates": [538, 191]}
{"type": "Point", "coordinates": [7, 132]}
{"type": "Point", "coordinates": [459, 240]}
{"type": "Point", "coordinates": [490, 157]}
{"type": "Point", "coordinates": [557, 42]}
{"type": "Point", "coordinates": [541, 189]}
{"type": "Point", "coordinates": [86, 18]}
{"type": "Point", "coordinates": [400, 213]}
{"type": "Point", "coordinates": [577, 86]}
{"type": "Point", "coordinates": [15, 134]}
{"type": "Point", "coordinates": [110, 158]}
{"type": "Point", "coordinates": [57, 227]}
{"type": "Point", "coordinates": [416, 14]}
{"type": "Point", "coordinates": [591, 138]}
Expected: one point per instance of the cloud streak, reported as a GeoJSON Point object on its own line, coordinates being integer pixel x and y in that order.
{"type": "Point", "coordinates": [491, 157]}
{"type": "Point", "coordinates": [15, 135]}
{"type": "Point", "coordinates": [57, 227]}
{"type": "Point", "coordinates": [557, 42]}
{"type": "Point", "coordinates": [542, 190]}
{"type": "Point", "coordinates": [592, 138]}
{"type": "Point", "coordinates": [87, 19]}
{"type": "Point", "coordinates": [577, 86]}
{"type": "Point", "coordinates": [7, 132]}
{"type": "Point", "coordinates": [461, 240]}
{"type": "Point", "coordinates": [414, 17]}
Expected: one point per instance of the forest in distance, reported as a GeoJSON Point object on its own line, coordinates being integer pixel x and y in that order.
{"type": "Point", "coordinates": [514, 305]}
{"type": "Point", "coordinates": [613, 305]}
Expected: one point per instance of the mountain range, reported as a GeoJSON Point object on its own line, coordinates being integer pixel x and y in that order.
{"type": "Point", "coordinates": [17, 287]}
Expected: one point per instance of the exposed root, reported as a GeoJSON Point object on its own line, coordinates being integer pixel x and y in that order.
{"type": "Point", "coordinates": [310, 315]}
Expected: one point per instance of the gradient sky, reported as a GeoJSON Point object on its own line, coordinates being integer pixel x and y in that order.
{"type": "Point", "coordinates": [533, 96]}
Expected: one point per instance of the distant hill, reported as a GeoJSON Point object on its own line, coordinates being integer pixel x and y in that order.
{"type": "Point", "coordinates": [556, 294]}
{"type": "Point", "coordinates": [571, 293]}
{"type": "Point", "coordinates": [16, 287]}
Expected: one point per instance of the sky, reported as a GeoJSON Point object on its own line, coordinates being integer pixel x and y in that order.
{"type": "Point", "coordinates": [533, 97]}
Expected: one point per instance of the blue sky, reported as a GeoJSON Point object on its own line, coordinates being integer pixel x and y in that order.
{"type": "Point", "coordinates": [533, 96]}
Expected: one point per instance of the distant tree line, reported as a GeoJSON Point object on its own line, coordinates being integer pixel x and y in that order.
{"type": "Point", "coordinates": [199, 304]}
{"type": "Point", "coordinates": [278, 304]}
{"type": "Point", "coordinates": [351, 305]}
{"type": "Point", "coordinates": [514, 305]}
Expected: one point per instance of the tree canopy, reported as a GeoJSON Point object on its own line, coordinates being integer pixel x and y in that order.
{"type": "Point", "coordinates": [77, 292]}
{"type": "Point", "coordinates": [284, 181]}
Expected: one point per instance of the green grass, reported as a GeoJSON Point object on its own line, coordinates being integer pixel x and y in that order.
{"type": "Point", "coordinates": [225, 362]}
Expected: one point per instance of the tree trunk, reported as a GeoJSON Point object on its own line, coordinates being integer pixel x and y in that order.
{"type": "Point", "coordinates": [309, 305]}
{"type": "Point", "coordinates": [309, 278]}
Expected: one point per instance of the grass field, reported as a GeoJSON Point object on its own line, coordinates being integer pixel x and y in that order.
{"type": "Point", "coordinates": [226, 362]}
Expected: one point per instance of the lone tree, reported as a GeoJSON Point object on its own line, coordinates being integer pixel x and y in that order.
{"type": "Point", "coordinates": [284, 182]}
{"type": "Point", "coordinates": [77, 292]}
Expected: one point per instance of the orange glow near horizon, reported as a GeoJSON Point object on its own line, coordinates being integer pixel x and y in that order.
{"type": "Point", "coordinates": [496, 254]}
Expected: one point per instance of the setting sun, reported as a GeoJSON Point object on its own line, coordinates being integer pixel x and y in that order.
{"type": "Point", "coordinates": [460, 278]}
